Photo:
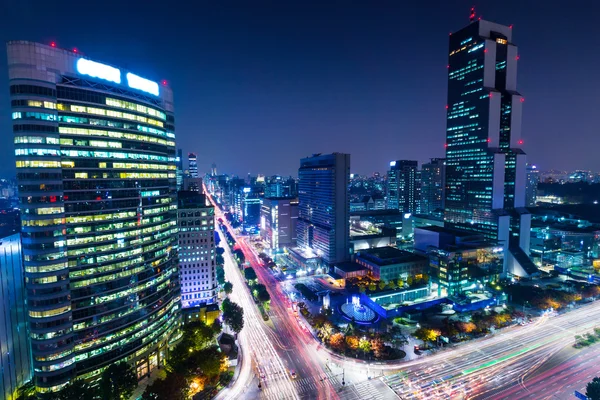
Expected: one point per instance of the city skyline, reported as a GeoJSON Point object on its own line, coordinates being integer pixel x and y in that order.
{"type": "Point", "coordinates": [276, 81]}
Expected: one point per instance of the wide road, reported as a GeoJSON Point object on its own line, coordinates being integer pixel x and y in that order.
{"type": "Point", "coordinates": [503, 366]}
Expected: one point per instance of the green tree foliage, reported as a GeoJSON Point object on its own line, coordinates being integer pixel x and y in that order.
{"type": "Point", "coordinates": [219, 251]}
{"type": "Point", "coordinates": [364, 344]}
{"type": "Point", "coordinates": [261, 292]}
{"type": "Point", "coordinates": [196, 336]}
{"type": "Point", "coordinates": [381, 285]}
{"type": "Point", "coordinates": [77, 389]}
{"type": "Point", "coordinates": [592, 390]}
{"type": "Point", "coordinates": [392, 285]}
{"type": "Point", "coordinates": [221, 275]}
{"type": "Point", "coordinates": [426, 334]}
{"type": "Point", "coordinates": [372, 287]}
{"type": "Point", "coordinates": [118, 382]}
{"type": "Point", "coordinates": [173, 387]}
{"type": "Point", "coordinates": [250, 274]}
{"type": "Point", "coordinates": [206, 362]}
{"type": "Point", "coordinates": [228, 287]}
{"type": "Point", "coordinates": [233, 315]}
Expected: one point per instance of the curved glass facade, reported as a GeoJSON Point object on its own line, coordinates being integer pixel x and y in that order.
{"type": "Point", "coordinates": [97, 183]}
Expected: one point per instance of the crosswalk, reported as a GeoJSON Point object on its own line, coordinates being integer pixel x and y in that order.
{"type": "Point", "coordinates": [373, 389]}
{"type": "Point", "coordinates": [306, 388]}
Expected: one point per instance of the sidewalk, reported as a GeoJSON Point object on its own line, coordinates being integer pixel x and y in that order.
{"type": "Point", "coordinates": [139, 391]}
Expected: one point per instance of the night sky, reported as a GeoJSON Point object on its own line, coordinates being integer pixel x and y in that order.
{"type": "Point", "coordinates": [259, 86]}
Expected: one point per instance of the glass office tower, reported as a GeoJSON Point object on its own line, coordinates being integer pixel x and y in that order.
{"type": "Point", "coordinates": [95, 155]}
{"type": "Point", "coordinates": [485, 166]}
{"type": "Point", "coordinates": [402, 191]}
{"type": "Point", "coordinates": [433, 185]}
{"type": "Point", "coordinates": [193, 165]}
{"type": "Point", "coordinates": [324, 206]}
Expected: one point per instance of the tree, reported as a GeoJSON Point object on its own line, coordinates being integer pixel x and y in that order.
{"type": "Point", "coordinates": [362, 289]}
{"type": "Point", "coordinates": [173, 387]}
{"type": "Point", "coordinates": [233, 315]}
{"type": "Point", "coordinates": [381, 285]}
{"type": "Point", "coordinates": [426, 334]}
{"type": "Point", "coordinates": [219, 260]}
{"type": "Point", "coordinates": [219, 251]}
{"type": "Point", "coordinates": [77, 389]}
{"type": "Point", "coordinates": [378, 347]}
{"type": "Point", "coordinates": [260, 292]}
{"type": "Point", "coordinates": [337, 342]}
{"type": "Point", "coordinates": [228, 287]}
{"type": "Point", "coordinates": [352, 342]}
{"type": "Point", "coordinates": [392, 285]}
{"type": "Point", "coordinates": [425, 279]}
{"type": "Point", "coordinates": [409, 281]}
{"type": "Point", "coordinates": [466, 327]}
{"type": "Point", "coordinates": [400, 283]}
{"type": "Point", "coordinates": [221, 275]}
{"type": "Point", "coordinates": [372, 287]}
{"type": "Point", "coordinates": [326, 331]}
{"type": "Point", "coordinates": [365, 345]}
{"type": "Point", "coordinates": [205, 362]}
{"type": "Point", "coordinates": [118, 382]}
{"type": "Point", "coordinates": [249, 274]}
{"type": "Point", "coordinates": [591, 291]}
{"type": "Point", "coordinates": [592, 390]}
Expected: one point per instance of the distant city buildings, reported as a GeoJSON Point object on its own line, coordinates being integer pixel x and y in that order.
{"type": "Point", "coordinates": [95, 157]}
{"type": "Point", "coordinates": [278, 222]}
{"type": "Point", "coordinates": [485, 166]}
{"type": "Point", "coordinates": [323, 209]}
{"type": "Point", "coordinates": [193, 165]}
{"type": "Point", "coordinates": [196, 249]}
{"type": "Point", "coordinates": [402, 189]}
{"type": "Point", "coordinates": [15, 354]}
{"type": "Point", "coordinates": [433, 185]}
{"type": "Point", "coordinates": [531, 189]}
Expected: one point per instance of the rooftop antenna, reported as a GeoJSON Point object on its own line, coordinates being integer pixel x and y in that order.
{"type": "Point", "coordinates": [472, 16]}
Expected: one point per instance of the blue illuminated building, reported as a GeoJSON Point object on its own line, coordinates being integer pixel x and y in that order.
{"type": "Point", "coordinates": [323, 206]}
{"type": "Point", "coordinates": [96, 167]}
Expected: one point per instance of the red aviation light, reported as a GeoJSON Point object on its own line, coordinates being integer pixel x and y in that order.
{"type": "Point", "coordinates": [520, 141]}
{"type": "Point", "coordinates": [510, 26]}
{"type": "Point", "coordinates": [74, 50]}
{"type": "Point", "coordinates": [517, 58]}
{"type": "Point", "coordinates": [446, 145]}
{"type": "Point", "coordinates": [52, 44]}
{"type": "Point", "coordinates": [446, 106]}
{"type": "Point", "coordinates": [164, 82]}
{"type": "Point", "coordinates": [522, 99]}
{"type": "Point", "coordinates": [489, 140]}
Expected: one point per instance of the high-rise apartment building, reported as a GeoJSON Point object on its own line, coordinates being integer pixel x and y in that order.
{"type": "Point", "coordinates": [196, 223]}
{"type": "Point", "coordinates": [485, 165]}
{"type": "Point", "coordinates": [15, 356]}
{"type": "Point", "coordinates": [402, 192]}
{"type": "Point", "coordinates": [278, 222]}
{"type": "Point", "coordinates": [95, 157]}
{"type": "Point", "coordinates": [533, 179]}
{"type": "Point", "coordinates": [193, 165]}
{"type": "Point", "coordinates": [433, 182]}
{"type": "Point", "coordinates": [323, 206]}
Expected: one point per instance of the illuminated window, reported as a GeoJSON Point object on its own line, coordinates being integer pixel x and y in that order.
{"type": "Point", "coordinates": [49, 313]}
{"type": "Point", "coordinates": [81, 175]}
{"type": "Point", "coordinates": [38, 164]}
{"type": "Point", "coordinates": [501, 41]}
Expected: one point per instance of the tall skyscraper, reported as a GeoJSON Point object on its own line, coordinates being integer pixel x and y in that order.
{"type": "Point", "coordinates": [485, 166]}
{"type": "Point", "coordinates": [533, 179]}
{"type": "Point", "coordinates": [402, 193]}
{"type": "Point", "coordinates": [278, 221]}
{"type": "Point", "coordinates": [324, 206]}
{"type": "Point", "coordinates": [179, 170]}
{"type": "Point", "coordinates": [95, 157]}
{"type": "Point", "coordinates": [213, 169]}
{"type": "Point", "coordinates": [15, 356]}
{"type": "Point", "coordinates": [433, 182]}
{"type": "Point", "coordinates": [196, 249]}
{"type": "Point", "coordinates": [193, 165]}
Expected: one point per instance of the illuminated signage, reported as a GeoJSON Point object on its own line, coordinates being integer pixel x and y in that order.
{"type": "Point", "coordinates": [145, 85]}
{"type": "Point", "coordinates": [247, 190]}
{"type": "Point", "coordinates": [392, 163]}
{"type": "Point", "coordinates": [98, 70]}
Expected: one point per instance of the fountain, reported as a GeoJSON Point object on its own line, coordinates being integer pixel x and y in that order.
{"type": "Point", "coordinates": [357, 311]}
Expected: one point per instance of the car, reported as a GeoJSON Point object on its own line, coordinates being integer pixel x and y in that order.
{"type": "Point", "coordinates": [293, 374]}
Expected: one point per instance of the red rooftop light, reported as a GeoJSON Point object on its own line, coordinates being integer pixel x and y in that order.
{"type": "Point", "coordinates": [445, 144]}
{"type": "Point", "coordinates": [446, 106]}
{"type": "Point", "coordinates": [520, 141]}
{"type": "Point", "coordinates": [517, 58]}
{"type": "Point", "coordinates": [74, 50]}
{"type": "Point", "coordinates": [522, 99]}
{"type": "Point", "coordinates": [52, 44]}
{"type": "Point", "coordinates": [164, 82]}
{"type": "Point", "coordinates": [510, 26]}
{"type": "Point", "coordinates": [489, 140]}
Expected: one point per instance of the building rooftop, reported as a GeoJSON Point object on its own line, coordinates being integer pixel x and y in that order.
{"type": "Point", "coordinates": [377, 212]}
{"type": "Point", "coordinates": [349, 266]}
{"type": "Point", "coordinates": [191, 199]}
{"type": "Point", "coordinates": [454, 232]}
{"type": "Point", "coordinates": [389, 255]}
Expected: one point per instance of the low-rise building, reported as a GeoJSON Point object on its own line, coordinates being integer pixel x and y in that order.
{"type": "Point", "coordinates": [389, 263]}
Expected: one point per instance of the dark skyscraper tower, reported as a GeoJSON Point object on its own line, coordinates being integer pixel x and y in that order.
{"type": "Point", "coordinates": [402, 186]}
{"type": "Point", "coordinates": [193, 165]}
{"type": "Point", "coordinates": [433, 182]}
{"type": "Point", "coordinates": [485, 166]}
{"type": "Point", "coordinates": [179, 170]}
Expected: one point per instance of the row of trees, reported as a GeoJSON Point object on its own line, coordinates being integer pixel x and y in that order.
{"type": "Point", "coordinates": [366, 284]}
{"type": "Point", "coordinates": [118, 382]}
{"type": "Point", "coordinates": [545, 298]}
{"type": "Point", "coordinates": [194, 364]}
